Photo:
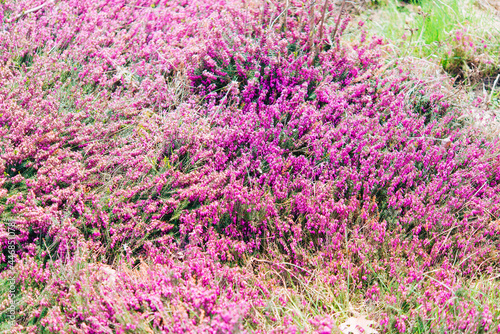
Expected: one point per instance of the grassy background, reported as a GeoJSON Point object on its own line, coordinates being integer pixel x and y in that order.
{"type": "Point", "coordinates": [428, 29]}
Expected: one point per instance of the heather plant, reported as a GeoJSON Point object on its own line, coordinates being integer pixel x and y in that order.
{"type": "Point", "coordinates": [231, 166]}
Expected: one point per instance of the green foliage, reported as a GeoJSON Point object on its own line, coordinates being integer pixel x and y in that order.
{"type": "Point", "coordinates": [25, 168]}
{"type": "Point", "coordinates": [456, 34]}
{"type": "Point", "coordinates": [437, 19]}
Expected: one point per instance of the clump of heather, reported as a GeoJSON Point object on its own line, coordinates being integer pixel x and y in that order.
{"type": "Point", "coordinates": [466, 58]}
{"type": "Point", "coordinates": [202, 166]}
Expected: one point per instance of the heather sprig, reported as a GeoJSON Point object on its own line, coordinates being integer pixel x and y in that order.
{"type": "Point", "coordinates": [171, 166]}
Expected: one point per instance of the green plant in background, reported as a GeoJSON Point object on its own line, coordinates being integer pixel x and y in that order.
{"type": "Point", "coordinates": [436, 20]}
{"type": "Point", "coordinates": [456, 34]}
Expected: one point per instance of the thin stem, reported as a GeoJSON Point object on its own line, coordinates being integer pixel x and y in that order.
{"type": "Point", "coordinates": [338, 19]}
{"type": "Point", "coordinates": [493, 88]}
{"type": "Point", "coordinates": [321, 25]}
{"type": "Point", "coordinates": [32, 10]}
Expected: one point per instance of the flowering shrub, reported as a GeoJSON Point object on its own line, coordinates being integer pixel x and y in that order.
{"type": "Point", "coordinates": [465, 58]}
{"type": "Point", "coordinates": [170, 165]}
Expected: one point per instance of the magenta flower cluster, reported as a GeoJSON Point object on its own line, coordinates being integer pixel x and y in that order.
{"type": "Point", "coordinates": [154, 153]}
